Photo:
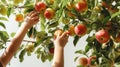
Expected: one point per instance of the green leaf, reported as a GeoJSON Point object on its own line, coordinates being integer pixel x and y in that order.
{"type": "Point", "coordinates": [1, 46]}
{"type": "Point", "coordinates": [32, 32]}
{"type": "Point", "coordinates": [59, 13]}
{"type": "Point", "coordinates": [64, 3]}
{"type": "Point", "coordinates": [90, 39]}
{"type": "Point", "coordinates": [4, 36]}
{"type": "Point", "coordinates": [117, 59]}
{"type": "Point", "coordinates": [40, 37]}
{"type": "Point", "coordinates": [50, 57]}
{"type": "Point", "coordinates": [88, 47]}
{"type": "Point", "coordinates": [79, 52]}
{"type": "Point", "coordinates": [43, 58]}
{"type": "Point", "coordinates": [3, 18]}
{"type": "Point", "coordinates": [4, 1]}
{"type": "Point", "coordinates": [80, 66]}
{"type": "Point", "coordinates": [1, 24]}
{"type": "Point", "coordinates": [12, 34]}
{"type": "Point", "coordinates": [76, 58]}
{"type": "Point", "coordinates": [9, 11]}
{"type": "Point", "coordinates": [42, 21]}
{"type": "Point", "coordinates": [21, 56]}
{"type": "Point", "coordinates": [38, 52]}
{"type": "Point", "coordinates": [106, 19]}
{"type": "Point", "coordinates": [76, 39]}
{"type": "Point", "coordinates": [27, 10]}
{"type": "Point", "coordinates": [52, 24]}
{"type": "Point", "coordinates": [29, 5]}
{"type": "Point", "coordinates": [28, 53]}
{"type": "Point", "coordinates": [115, 14]}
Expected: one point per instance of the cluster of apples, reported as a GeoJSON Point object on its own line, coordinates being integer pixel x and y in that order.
{"type": "Point", "coordinates": [80, 6]}
{"type": "Point", "coordinates": [42, 7]}
{"type": "Point", "coordinates": [102, 36]}
{"type": "Point", "coordinates": [78, 30]}
{"type": "Point", "coordinates": [90, 61]}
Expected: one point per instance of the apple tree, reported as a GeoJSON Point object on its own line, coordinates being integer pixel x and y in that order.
{"type": "Point", "coordinates": [99, 20]}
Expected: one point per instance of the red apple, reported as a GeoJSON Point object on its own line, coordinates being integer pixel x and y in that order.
{"type": "Point", "coordinates": [90, 60]}
{"type": "Point", "coordinates": [40, 6]}
{"type": "Point", "coordinates": [81, 6]}
{"type": "Point", "coordinates": [49, 13]}
{"type": "Point", "coordinates": [83, 61]}
{"type": "Point", "coordinates": [102, 36]}
{"type": "Point", "coordinates": [80, 29]}
{"type": "Point", "coordinates": [51, 50]}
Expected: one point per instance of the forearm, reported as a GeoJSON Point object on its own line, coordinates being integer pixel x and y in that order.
{"type": "Point", "coordinates": [58, 60]}
{"type": "Point", "coordinates": [14, 45]}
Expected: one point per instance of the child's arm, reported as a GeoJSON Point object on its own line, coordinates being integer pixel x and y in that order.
{"type": "Point", "coordinates": [31, 19]}
{"type": "Point", "coordinates": [59, 43]}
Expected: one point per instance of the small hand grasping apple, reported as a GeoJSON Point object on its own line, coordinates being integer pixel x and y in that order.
{"type": "Point", "coordinates": [32, 18]}
{"type": "Point", "coordinates": [59, 43]}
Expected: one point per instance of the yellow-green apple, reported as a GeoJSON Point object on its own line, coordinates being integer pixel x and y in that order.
{"type": "Point", "coordinates": [49, 13]}
{"type": "Point", "coordinates": [19, 17]}
{"type": "Point", "coordinates": [57, 33]}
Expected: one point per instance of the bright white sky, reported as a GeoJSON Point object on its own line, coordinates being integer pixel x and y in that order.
{"type": "Point", "coordinates": [32, 61]}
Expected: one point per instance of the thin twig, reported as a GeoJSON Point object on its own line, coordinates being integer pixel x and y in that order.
{"type": "Point", "coordinates": [23, 41]}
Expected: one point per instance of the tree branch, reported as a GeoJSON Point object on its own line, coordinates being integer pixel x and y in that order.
{"type": "Point", "coordinates": [23, 41]}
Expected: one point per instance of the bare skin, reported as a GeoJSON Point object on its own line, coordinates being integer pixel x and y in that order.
{"type": "Point", "coordinates": [31, 19]}
{"type": "Point", "coordinates": [59, 43]}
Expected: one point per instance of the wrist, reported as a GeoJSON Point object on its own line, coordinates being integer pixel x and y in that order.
{"type": "Point", "coordinates": [59, 47]}
{"type": "Point", "coordinates": [26, 25]}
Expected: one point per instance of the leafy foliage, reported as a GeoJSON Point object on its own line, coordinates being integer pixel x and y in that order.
{"type": "Point", "coordinates": [96, 17]}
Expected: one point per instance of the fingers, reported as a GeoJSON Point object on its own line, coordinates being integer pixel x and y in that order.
{"type": "Point", "coordinates": [35, 18]}
{"type": "Point", "coordinates": [30, 13]}
{"type": "Point", "coordinates": [33, 14]}
{"type": "Point", "coordinates": [36, 21]}
{"type": "Point", "coordinates": [65, 34]}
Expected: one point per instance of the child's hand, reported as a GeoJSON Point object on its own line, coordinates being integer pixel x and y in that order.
{"type": "Point", "coordinates": [61, 40]}
{"type": "Point", "coordinates": [32, 18]}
